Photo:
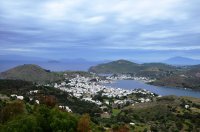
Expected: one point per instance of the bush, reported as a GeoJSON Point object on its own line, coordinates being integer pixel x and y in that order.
{"type": "Point", "coordinates": [11, 110]}
{"type": "Point", "coordinates": [62, 121]}
{"type": "Point", "coordinates": [22, 124]}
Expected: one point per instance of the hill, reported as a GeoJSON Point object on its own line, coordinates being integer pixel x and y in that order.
{"type": "Point", "coordinates": [29, 72]}
{"type": "Point", "coordinates": [119, 66]}
{"type": "Point", "coordinates": [154, 70]}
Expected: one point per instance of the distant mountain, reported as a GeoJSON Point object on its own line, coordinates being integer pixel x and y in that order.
{"type": "Point", "coordinates": [119, 66]}
{"type": "Point", "coordinates": [181, 61]}
{"type": "Point", "coordinates": [31, 73]}
{"type": "Point", "coordinates": [20, 58]}
{"type": "Point", "coordinates": [11, 61]}
{"type": "Point", "coordinates": [75, 60]}
{"type": "Point", "coordinates": [124, 66]}
{"type": "Point", "coordinates": [53, 61]}
{"type": "Point", "coordinates": [83, 61]}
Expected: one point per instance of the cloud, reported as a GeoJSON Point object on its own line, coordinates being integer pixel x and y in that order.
{"type": "Point", "coordinates": [18, 49]}
{"type": "Point", "coordinates": [147, 11]}
{"type": "Point", "coordinates": [95, 20]}
{"type": "Point", "coordinates": [129, 10]}
{"type": "Point", "coordinates": [159, 34]}
{"type": "Point", "coordinates": [98, 25]}
{"type": "Point", "coordinates": [155, 48]}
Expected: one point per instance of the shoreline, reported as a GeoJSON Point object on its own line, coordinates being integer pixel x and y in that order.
{"type": "Point", "coordinates": [153, 89]}
{"type": "Point", "coordinates": [149, 83]}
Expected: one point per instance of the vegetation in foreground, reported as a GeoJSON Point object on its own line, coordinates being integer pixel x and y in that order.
{"type": "Point", "coordinates": [18, 116]}
{"type": "Point", "coordinates": [168, 113]}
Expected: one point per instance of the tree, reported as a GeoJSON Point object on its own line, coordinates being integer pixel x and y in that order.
{"type": "Point", "coordinates": [42, 114]}
{"type": "Point", "coordinates": [62, 121]}
{"type": "Point", "coordinates": [84, 123]}
{"type": "Point", "coordinates": [49, 101]}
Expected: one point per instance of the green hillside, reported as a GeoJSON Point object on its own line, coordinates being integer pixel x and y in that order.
{"type": "Point", "coordinates": [120, 66]}
{"type": "Point", "coordinates": [154, 70]}
{"type": "Point", "coordinates": [167, 114]}
{"type": "Point", "coordinates": [29, 72]}
{"type": "Point", "coordinates": [124, 66]}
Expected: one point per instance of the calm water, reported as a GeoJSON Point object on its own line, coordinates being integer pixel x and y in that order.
{"type": "Point", "coordinates": [132, 84]}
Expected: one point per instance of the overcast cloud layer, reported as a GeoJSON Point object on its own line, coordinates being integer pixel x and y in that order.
{"type": "Point", "coordinates": [100, 29]}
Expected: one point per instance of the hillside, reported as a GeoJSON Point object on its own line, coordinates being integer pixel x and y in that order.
{"type": "Point", "coordinates": [28, 115]}
{"type": "Point", "coordinates": [168, 113]}
{"type": "Point", "coordinates": [19, 87]}
{"type": "Point", "coordinates": [188, 79]}
{"type": "Point", "coordinates": [29, 72]}
{"type": "Point", "coordinates": [119, 66]}
{"type": "Point", "coordinates": [154, 70]}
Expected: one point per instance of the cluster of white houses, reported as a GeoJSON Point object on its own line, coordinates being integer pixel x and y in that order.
{"type": "Point", "coordinates": [129, 77]}
{"type": "Point", "coordinates": [85, 88]}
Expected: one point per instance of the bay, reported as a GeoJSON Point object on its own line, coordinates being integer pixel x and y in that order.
{"type": "Point", "coordinates": [133, 84]}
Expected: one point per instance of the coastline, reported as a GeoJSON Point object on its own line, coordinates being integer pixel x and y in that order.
{"type": "Point", "coordinates": [165, 90]}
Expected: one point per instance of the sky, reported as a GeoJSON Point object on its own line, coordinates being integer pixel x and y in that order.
{"type": "Point", "coordinates": [146, 30]}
